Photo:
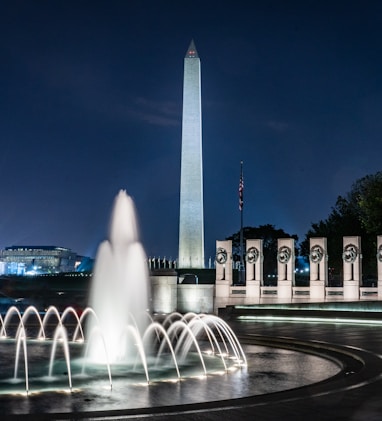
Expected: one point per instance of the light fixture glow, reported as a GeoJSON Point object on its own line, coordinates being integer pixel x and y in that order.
{"type": "Point", "coordinates": [310, 320]}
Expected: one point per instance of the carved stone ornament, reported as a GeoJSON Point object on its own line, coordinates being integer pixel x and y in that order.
{"type": "Point", "coordinates": [221, 255]}
{"type": "Point", "coordinates": [284, 254]}
{"type": "Point", "coordinates": [379, 253]}
{"type": "Point", "coordinates": [316, 254]}
{"type": "Point", "coordinates": [252, 255]}
{"type": "Point", "coordinates": [350, 253]}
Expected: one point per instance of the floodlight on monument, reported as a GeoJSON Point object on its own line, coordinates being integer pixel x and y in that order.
{"type": "Point", "coordinates": [283, 255]}
{"type": "Point", "coordinates": [350, 253]}
{"type": "Point", "coordinates": [252, 255]}
{"type": "Point", "coordinates": [316, 254]}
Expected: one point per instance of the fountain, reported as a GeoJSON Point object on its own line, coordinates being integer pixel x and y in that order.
{"type": "Point", "coordinates": [116, 355]}
{"type": "Point", "coordinates": [115, 337]}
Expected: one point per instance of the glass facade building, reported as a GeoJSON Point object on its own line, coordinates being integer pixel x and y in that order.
{"type": "Point", "coordinates": [32, 260]}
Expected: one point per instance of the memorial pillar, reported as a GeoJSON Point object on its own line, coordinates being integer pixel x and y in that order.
{"type": "Point", "coordinates": [254, 268]}
{"type": "Point", "coordinates": [318, 259]}
{"type": "Point", "coordinates": [223, 261]}
{"type": "Point", "coordinates": [285, 267]}
{"type": "Point", "coordinates": [352, 267]}
{"type": "Point", "coordinates": [379, 265]}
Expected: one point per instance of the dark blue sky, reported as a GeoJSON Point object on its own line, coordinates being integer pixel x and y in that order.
{"type": "Point", "coordinates": [91, 100]}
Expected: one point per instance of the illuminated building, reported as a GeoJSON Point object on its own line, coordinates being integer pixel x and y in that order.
{"type": "Point", "coordinates": [31, 260]}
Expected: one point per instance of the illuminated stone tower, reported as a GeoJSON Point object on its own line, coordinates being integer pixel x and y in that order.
{"type": "Point", "coordinates": [191, 220]}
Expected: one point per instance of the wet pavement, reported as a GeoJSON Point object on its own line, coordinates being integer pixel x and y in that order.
{"type": "Point", "coordinates": [357, 397]}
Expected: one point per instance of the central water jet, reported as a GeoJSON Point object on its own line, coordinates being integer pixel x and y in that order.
{"type": "Point", "coordinates": [120, 289]}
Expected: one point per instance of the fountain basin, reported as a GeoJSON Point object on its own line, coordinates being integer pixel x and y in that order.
{"type": "Point", "coordinates": [269, 370]}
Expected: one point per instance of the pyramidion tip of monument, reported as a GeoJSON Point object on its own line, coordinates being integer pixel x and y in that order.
{"type": "Point", "coordinates": [192, 52]}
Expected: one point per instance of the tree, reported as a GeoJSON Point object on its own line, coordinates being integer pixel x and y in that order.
{"type": "Point", "coordinates": [366, 196]}
{"type": "Point", "coordinates": [359, 213]}
{"type": "Point", "coordinates": [269, 234]}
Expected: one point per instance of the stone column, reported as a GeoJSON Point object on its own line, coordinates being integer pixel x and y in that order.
{"type": "Point", "coordinates": [318, 258]}
{"type": "Point", "coordinates": [285, 267]}
{"type": "Point", "coordinates": [254, 268]}
{"type": "Point", "coordinates": [379, 265]}
{"type": "Point", "coordinates": [223, 262]}
{"type": "Point", "coordinates": [352, 268]}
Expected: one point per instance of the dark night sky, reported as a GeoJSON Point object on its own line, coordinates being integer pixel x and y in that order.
{"type": "Point", "coordinates": [91, 100]}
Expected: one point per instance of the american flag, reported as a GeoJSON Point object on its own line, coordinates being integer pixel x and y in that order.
{"type": "Point", "coordinates": [241, 189]}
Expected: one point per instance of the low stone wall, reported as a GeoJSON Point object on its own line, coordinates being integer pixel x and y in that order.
{"type": "Point", "coordinates": [164, 293]}
{"type": "Point", "coordinates": [197, 298]}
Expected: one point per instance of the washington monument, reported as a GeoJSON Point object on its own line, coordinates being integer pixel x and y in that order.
{"type": "Point", "coordinates": [191, 220]}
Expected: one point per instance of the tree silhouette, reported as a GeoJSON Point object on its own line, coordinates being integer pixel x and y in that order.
{"type": "Point", "coordinates": [359, 213]}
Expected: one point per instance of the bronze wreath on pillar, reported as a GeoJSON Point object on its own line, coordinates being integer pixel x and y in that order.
{"type": "Point", "coordinates": [283, 255]}
{"type": "Point", "coordinates": [316, 254]}
{"type": "Point", "coordinates": [350, 253]}
{"type": "Point", "coordinates": [252, 255]}
{"type": "Point", "coordinates": [221, 255]}
{"type": "Point", "coordinates": [379, 253]}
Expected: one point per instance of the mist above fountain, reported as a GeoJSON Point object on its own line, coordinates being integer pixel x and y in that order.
{"type": "Point", "coordinates": [120, 289]}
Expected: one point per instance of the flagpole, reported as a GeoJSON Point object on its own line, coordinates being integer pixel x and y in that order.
{"type": "Point", "coordinates": [241, 203]}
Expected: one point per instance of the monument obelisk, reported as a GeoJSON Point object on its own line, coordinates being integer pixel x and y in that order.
{"type": "Point", "coordinates": [191, 220]}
